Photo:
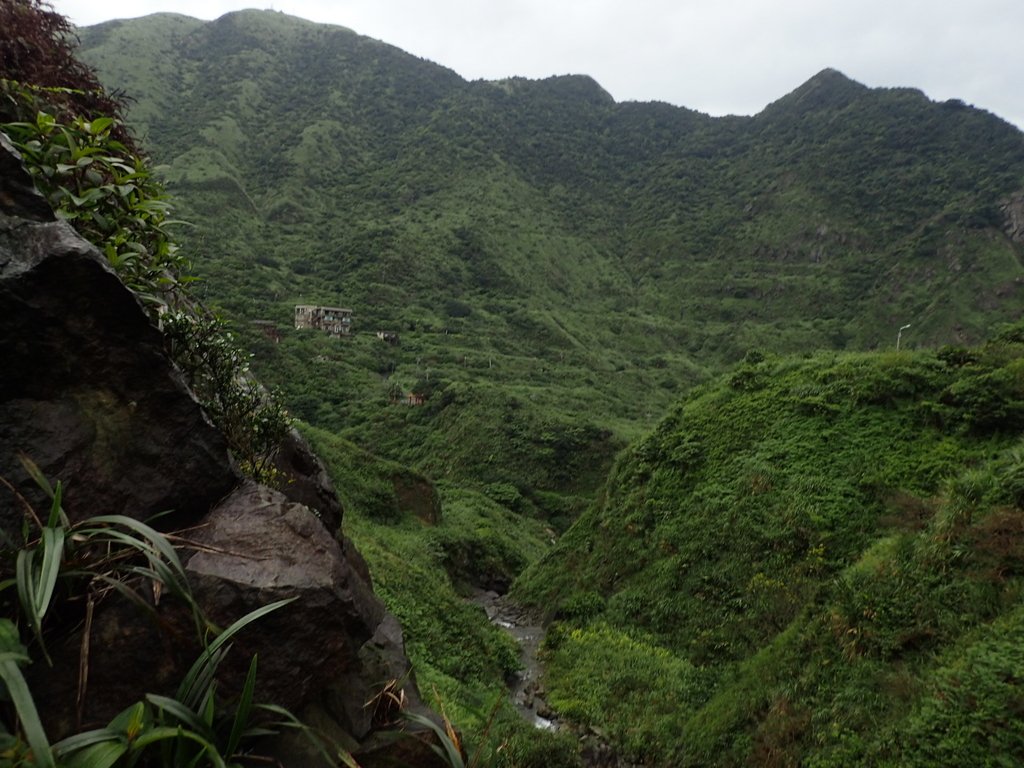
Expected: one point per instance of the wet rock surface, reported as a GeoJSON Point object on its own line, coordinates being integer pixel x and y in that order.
{"type": "Point", "coordinates": [526, 689]}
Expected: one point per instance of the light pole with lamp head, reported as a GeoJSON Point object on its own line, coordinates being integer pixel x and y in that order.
{"type": "Point", "coordinates": [900, 334]}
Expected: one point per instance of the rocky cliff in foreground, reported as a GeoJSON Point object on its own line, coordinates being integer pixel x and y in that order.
{"type": "Point", "coordinates": [88, 394]}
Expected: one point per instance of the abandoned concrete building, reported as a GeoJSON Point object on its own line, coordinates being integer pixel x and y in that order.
{"type": "Point", "coordinates": [336, 321]}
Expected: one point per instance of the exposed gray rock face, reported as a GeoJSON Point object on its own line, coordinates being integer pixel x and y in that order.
{"type": "Point", "coordinates": [87, 392]}
{"type": "Point", "coordinates": [307, 481]}
{"type": "Point", "coordinates": [260, 547]}
{"type": "Point", "coordinates": [1013, 213]}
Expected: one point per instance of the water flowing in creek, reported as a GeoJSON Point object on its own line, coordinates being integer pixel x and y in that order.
{"type": "Point", "coordinates": [525, 690]}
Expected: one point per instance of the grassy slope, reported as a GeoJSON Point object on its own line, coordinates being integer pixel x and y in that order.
{"type": "Point", "coordinates": [423, 568]}
{"type": "Point", "coordinates": [547, 251]}
{"type": "Point", "coordinates": [797, 557]}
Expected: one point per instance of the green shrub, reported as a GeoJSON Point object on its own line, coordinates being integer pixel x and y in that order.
{"type": "Point", "coordinates": [108, 193]}
{"type": "Point", "coordinates": [218, 371]}
{"type": "Point", "coordinates": [635, 691]}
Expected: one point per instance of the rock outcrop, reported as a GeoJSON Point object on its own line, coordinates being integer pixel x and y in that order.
{"type": "Point", "coordinates": [1013, 217]}
{"type": "Point", "coordinates": [89, 395]}
{"type": "Point", "coordinates": [256, 547]}
{"type": "Point", "coordinates": [86, 391]}
{"type": "Point", "coordinates": [306, 480]}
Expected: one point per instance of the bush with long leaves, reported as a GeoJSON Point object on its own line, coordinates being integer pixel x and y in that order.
{"type": "Point", "coordinates": [91, 559]}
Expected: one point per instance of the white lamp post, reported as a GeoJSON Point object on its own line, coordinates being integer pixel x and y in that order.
{"type": "Point", "coordinates": [900, 334]}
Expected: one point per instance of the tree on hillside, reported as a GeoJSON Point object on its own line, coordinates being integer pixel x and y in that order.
{"type": "Point", "coordinates": [37, 48]}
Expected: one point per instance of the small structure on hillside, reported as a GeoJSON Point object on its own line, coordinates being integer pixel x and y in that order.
{"type": "Point", "coordinates": [388, 337]}
{"type": "Point", "coordinates": [396, 396]}
{"type": "Point", "coordinates": [336, 321]}
{"type": "Point", "coordinates": [269, 329]}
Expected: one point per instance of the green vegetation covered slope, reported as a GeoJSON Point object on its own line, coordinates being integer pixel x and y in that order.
{"type": "Point", "coordinates": [798, 564]}
{"type": "Point", "coordinates": [553, 261]}
{"type": "Point", "coordinates": [813, 561]}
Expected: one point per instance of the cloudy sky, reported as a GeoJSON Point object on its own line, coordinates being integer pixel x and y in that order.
{"type": "Point", "coordinates": [717, 56]}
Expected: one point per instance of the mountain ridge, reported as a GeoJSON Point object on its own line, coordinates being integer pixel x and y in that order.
{"type": "Point", "coordinates": [628, 249]}
{"type": "Point", "coordinates": [828, 77]}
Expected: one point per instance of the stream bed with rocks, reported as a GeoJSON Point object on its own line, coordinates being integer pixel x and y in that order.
{"type": "Point", "coordinates": [526, 690]}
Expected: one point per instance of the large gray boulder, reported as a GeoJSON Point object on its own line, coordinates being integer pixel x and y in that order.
{"type": "Point", "coordinates": [86, 391]}
{"type": "Point", "coordinates": [331, 651]}
{"type": "Point", "coordinates": [335, 644]}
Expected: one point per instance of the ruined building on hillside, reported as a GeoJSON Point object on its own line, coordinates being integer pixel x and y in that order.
{"type": "Point", "coordinates": [336, 321]}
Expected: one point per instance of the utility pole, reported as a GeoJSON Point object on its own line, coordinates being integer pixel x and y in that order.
{"type": "Point", "coordinates": [900, 334]}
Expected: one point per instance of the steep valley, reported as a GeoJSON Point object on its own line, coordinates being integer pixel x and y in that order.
{"type": "Point", "coordinates": [640, 372]}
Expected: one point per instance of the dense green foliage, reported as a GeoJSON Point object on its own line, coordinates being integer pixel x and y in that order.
{"type": "Point", "coordinates": [105, 190]}
{"type": "Point", "coordinates": [801, 552]}
{"type": "Point", "coordinates": [814, 560]}
{"type": "Point", "coordinates": [557, 265]}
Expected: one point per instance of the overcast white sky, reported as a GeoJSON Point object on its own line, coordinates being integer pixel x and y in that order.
{"type": "Point", "coordinates": [717, 56]}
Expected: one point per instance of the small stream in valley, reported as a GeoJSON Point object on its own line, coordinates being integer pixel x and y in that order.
{"type": "Point", "coordinates": [526, 691]}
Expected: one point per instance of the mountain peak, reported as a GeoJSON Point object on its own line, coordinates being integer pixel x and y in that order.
{"type": "Point", "coordinates": [565, 86]}
{"type": "Point", "coordinates": [829, 89]}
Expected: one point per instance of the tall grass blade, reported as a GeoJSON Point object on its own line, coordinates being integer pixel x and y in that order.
{"type": "Point", "coordinates": [35, 588]}
{"type": "Point", "coordinates": [185, 716]}
{"type": "Point", "coordinates": [57, 516]}
{"type": "Point", "coordinates": [79, 741]}
{"type": "Point", "coordinates": [103, 754]}
{"type": "Point", "coordinates": [200, 678]}
{"type": "Point", "coordinates": [175, 735]}
{"type": "Point", "coordinates": [155, 538]}
{"type": "Point", "coordinates": [205, 666]}
{"type": "Point", "coordinates": [25, 706]}
{"type": "Point", "coordinates": [447, 750]}
{"type": "Point", "coordinates": [36, 474]}
{"type": "Point", "coordinates": [291, 721]}
{"type": "Point", "coordinates": [243, 711]}
{"type": "Point", "coordinates": [25, 573]}
{"type": "Point", "coordinates": [52, 559]}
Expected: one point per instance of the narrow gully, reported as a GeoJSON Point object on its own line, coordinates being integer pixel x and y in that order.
{"type": "Point", "coordinates": [525, 690]}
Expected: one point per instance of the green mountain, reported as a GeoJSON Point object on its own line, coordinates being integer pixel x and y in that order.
{"type": "Point", "coordinates": [559, 267]}
{"type": "Point", "coordinates": [815, 557]}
